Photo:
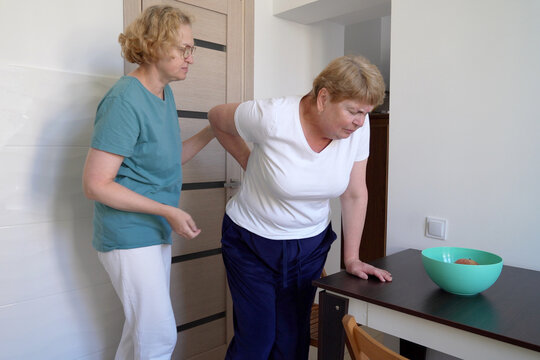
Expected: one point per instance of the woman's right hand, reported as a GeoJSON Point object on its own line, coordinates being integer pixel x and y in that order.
{"type": "Point", "coordinates": [182, 223]}
{"type": "Point", "coordinates": [98, 183]}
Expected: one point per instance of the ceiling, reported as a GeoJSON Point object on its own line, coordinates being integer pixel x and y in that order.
{"type": "Point", "coordinates": [345, 12]}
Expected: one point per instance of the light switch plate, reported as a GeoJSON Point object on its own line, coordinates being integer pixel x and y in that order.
{"type": "Point", "coordinates": [436, 228]}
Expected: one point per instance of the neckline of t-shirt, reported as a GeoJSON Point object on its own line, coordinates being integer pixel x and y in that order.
{"type": "Point", "coordinates": [303, 135]}
{"type": "Point", "coordinates": [158, 99]}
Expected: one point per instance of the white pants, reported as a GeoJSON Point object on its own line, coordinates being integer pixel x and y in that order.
{"type": "Point", "coordinates": [141, 278]}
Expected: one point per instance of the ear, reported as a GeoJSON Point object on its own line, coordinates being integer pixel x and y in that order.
{"type": "Point", "coordinates": [322, 97]}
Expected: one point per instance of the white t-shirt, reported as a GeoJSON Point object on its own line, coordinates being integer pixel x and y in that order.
{"type": "Point", "coordinates": [287, 186]}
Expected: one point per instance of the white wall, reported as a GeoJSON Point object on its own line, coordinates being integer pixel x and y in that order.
{"type": "Point", "coordinates": [464, 129]}
{"type": "Point", "coordinates": [371, 39]}
{"type": "Point", "coordinates": [364, 38]}
{"type": "Point", "coordinates": [58, 58]}
{"type": "Point", "coordinates": [288, 56]}
{"type": "Point", "coordinates": [76, 36]}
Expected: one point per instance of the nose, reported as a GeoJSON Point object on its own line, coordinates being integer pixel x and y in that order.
{"type": "Point", "coordinates": [359, 120]}
{"type": "Point", "coordinates": [189, 59]}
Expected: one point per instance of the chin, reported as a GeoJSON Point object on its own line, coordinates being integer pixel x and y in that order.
{"type": "Point", "coordinates": [179, 78]}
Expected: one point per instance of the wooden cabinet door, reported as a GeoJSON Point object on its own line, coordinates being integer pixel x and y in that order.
{"type": "Point", "coordinates": [221, 73]}
{"type": "Point", "coordinates": [373, 243]}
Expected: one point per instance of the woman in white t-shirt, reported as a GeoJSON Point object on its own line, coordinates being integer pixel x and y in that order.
{"type": "Point", "coordinates": [276, 231]}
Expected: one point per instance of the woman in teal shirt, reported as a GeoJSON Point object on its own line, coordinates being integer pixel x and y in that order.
{"type": "Point", "coordinates": [134, 173]}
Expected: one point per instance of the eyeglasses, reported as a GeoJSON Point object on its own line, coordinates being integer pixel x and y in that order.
{"type": "Point", "coordinates": [186, 51]}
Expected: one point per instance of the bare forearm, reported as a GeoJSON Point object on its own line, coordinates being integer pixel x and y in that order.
{"type": "Point", "coordinates": [353, 207]}
{"type": "Point", "coordinates": [235, 145]}
{"type": "Point", "coordinates": [119, 197]}
{"type": "Point", "coordinates": [196, 143]}
{"type": "Point", "coordinates": [98, 184]}
{"type": "Point", "coordinates": [353, 215]}
{"type": "Point", "coordinates": [221, 119]}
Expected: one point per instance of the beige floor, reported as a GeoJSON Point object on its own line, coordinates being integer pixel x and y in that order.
{"type": "Point", "coordinates": [313, 354]}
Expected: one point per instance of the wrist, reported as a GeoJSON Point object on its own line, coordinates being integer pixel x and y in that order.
{"type": "Point", "coordinates": [165, 211]}
{"type": "Point", "coordinates": [210, 132]}
{"type": "Point", "coordinates": [350, 261]}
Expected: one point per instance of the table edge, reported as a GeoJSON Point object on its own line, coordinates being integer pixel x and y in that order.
{"type": "Point", "coordinates": [433, 318]}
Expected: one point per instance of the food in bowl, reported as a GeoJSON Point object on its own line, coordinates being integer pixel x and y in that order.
{"type": "Point", "coordinates": [466, 261]}
{"type": "Point", "coordinates": [440, 265]}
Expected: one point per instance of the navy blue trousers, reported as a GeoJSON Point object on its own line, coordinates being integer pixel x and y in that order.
{"type": "Point", "coordinates": [270, 284]}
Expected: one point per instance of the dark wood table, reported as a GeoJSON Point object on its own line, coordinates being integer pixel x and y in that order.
{"type": "Point", "coordinates": [503, 322]}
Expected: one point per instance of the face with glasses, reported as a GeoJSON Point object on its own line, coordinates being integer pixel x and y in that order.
{"type": "Point", "coordinates": [186, 51]}
{"type": "Point", "coordinates": [175, 65]}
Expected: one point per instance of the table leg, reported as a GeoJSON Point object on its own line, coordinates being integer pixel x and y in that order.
{"type": "Point", "coordinates": [332, 308]}
{"type": "Point", "coordinates": [412, 350]}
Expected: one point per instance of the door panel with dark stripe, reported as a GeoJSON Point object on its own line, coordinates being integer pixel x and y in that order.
{"type": "Point", "coordinates": [209, 164]}
{"type": "Point", "coordinates": [206, 206]}
{"type": "Point", "coordinates": [201, 339]}
{"type": "Point", "coordinates": [208, 24]}
{"type": "Point", "coordinates": [198, 285]}
{"type": "Point", "coordinates": [204, 86]}
{"type": "Point", "coordinates": [197, 289]}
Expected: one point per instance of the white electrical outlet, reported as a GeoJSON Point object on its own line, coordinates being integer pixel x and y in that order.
{"type": "Point", "coordinates": [436, 228]}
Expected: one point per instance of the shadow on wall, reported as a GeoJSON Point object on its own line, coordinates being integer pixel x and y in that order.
{"type": "Point", "coordinates": [61, 294]}
{"type": "Point", "coordinates": [95, 312]}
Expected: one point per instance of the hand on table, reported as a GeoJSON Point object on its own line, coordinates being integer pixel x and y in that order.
{"type": "Point", "coordinates": [362, 270]}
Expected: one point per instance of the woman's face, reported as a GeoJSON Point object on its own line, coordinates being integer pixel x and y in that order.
{"type": "Point", "coordinates": [173, 66]}
{"type": "Point", "coordinates": [341, 119]}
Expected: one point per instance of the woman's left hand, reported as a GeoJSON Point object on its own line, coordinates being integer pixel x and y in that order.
{"type": "Point", "coordinates": [362, 270]}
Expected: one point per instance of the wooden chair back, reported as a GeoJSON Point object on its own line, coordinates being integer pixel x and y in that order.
{"type": "Point", "coordinates": [363, 346]}
{"type": "Point", "coordinates": [314, 322]}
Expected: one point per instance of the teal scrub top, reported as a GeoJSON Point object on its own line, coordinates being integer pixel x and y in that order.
{"type": "Point", "coordinates": [136, 124]}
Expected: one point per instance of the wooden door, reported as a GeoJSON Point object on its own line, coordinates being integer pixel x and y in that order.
{"type": "Point", "coordinates": [222, 72]}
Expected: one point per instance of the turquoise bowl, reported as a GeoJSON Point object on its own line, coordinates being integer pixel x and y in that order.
{"type": "Point", "coordinates": [461, 279]}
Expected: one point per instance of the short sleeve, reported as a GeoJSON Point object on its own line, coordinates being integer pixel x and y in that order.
{"type": "Point", "coordinates": [251, 121]}
{"type": "Point", "coordinates": [363, 134]}
{"type": "Point", "coordinates": [116, 129]}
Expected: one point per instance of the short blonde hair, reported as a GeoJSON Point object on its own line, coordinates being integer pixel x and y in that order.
{"type": "Point", "coordinates": [152, 33]}
{"type": "Point", "coordinates": [351, 77]}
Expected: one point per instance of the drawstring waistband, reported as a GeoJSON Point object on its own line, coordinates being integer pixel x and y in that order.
{"type": "Point", "coordinates": [299, 270]}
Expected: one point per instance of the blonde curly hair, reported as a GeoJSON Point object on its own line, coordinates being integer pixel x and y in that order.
{"type": "Point", "coordinates": [152, 34]}
{"type": "Point", "coordinates": [351, 77]}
